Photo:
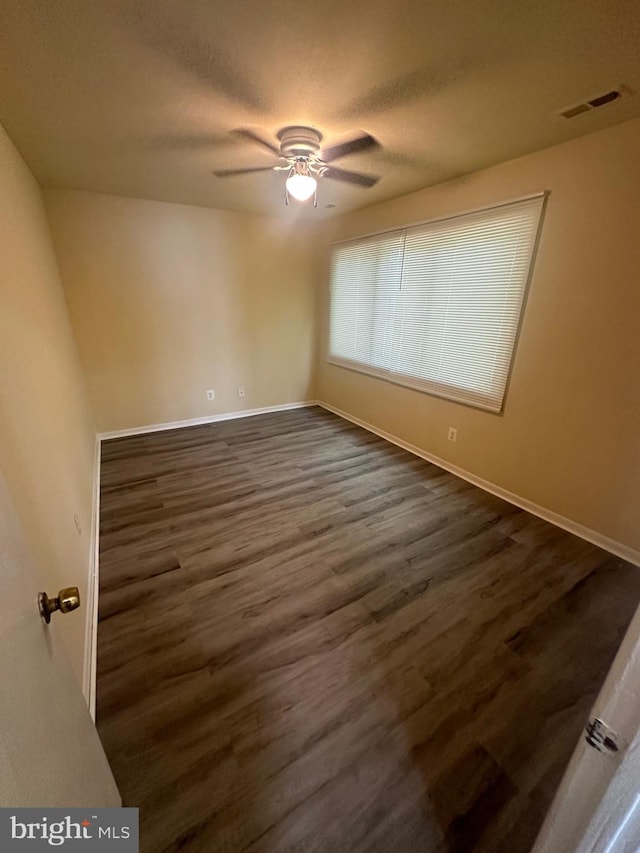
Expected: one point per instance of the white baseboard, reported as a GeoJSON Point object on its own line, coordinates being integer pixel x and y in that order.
{"type": "Point", "coordinates": [93, 581]}
{"type": "Point", "coordinates": [611, 545]}
{"type": "Point", "coordinates": [207, 419]}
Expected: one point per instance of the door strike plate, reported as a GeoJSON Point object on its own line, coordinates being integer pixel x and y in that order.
{"type": "Point", "coordinates": [603, 738]}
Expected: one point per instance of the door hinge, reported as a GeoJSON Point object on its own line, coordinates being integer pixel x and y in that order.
{"type": "Point", "coordinates": [604, 739]}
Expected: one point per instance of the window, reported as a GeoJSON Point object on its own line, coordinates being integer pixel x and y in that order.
{"type": "Point", "coordinates": [437, 306]}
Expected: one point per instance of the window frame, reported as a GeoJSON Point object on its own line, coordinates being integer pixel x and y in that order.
{"type": "Point", "coordinates": [440, 390]}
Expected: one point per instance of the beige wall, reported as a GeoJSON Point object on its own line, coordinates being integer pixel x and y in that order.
{"type": "Point", "coordinates": [169, 300]}
{"type": "Point", "coordinates": [46, 433]}
{"type": "Point", "coordinates": [569, 439]}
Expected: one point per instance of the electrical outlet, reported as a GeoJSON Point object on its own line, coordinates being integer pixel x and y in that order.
{"type": "Point", "coordinates": [240, 390]}
{"type": "Point", "coordinates": [453, 434]}
{"type": "Point", "coordinates": [211, 394]}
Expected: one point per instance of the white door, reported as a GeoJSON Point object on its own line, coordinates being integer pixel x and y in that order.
{"type": "Point", "coordinates": [597, 806]}
{"type": "Point", "coordinates": [50, 753]}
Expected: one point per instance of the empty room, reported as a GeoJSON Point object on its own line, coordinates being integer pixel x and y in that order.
{"type": "Point", "coordinates": [320, 426]}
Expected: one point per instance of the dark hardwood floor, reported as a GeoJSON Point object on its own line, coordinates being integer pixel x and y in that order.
{"type": "Point", "coordinates": [310, 640]}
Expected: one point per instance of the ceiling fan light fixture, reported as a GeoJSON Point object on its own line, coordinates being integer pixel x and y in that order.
{"type": "Point", "coordinates": [300, 156]}
{"type": "Point", "coordinates": [301, 185]}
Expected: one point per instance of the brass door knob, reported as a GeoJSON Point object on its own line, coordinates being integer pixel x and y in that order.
{"type": "Point", "coordinates": [68, 599]}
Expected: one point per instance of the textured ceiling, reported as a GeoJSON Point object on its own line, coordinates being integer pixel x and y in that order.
{"type": "Point", "coordinates": [138, 97]}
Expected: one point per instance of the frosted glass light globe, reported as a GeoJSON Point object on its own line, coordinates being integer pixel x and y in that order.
{"type": "Point", "coordinates": [301, 187]}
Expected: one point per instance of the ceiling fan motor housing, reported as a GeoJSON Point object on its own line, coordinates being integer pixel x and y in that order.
{"type": "Point", "coordinates": [299, 141]}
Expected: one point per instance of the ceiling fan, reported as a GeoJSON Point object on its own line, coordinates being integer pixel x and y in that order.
{"type": "Point", "coordinates": [300, 155]}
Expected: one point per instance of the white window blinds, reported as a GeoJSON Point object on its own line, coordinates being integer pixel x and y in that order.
{"type": "Point", "coordinates": [437, 306]}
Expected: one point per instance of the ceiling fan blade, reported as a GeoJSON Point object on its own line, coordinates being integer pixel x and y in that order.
{"type": "Point", "coordinates": [350, 177]}
{"type": "Point", "coordinates": [228, 173]}
{"type": "Point", "coordinates": [353, 146]}
{"type": "Point", "coordinates": [246, 133]}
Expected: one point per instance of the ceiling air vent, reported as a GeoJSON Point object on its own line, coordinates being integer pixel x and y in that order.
{"type": "Point", "coordinates": [601, 100]}
{"type": "Point", "coordinates": [572, 112]}
{"type": "Point", "coordinates": [592, 104]}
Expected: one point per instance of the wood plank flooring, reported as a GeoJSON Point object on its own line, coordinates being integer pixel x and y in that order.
{"type": "Point", "coordinates": [311, 641]}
